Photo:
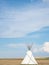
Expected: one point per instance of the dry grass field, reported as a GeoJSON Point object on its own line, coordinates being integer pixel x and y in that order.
{"type": "Point", "coordinates": [18, 61]}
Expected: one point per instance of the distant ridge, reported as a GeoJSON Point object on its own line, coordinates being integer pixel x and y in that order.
{"type": "Point", "coordinates": [43, 58]}
{"type": "Point", "coordinates": [40, 58]}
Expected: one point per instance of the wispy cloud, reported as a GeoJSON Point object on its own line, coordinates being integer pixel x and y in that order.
{"type": "Point", "coordinates": [47, 1]}
{"type": "Point", "coordinates": [14, 45]}
{"type": "Point", "coordinates": [18, 23]}
{"type": "Point", "coordinates": [41, 34]}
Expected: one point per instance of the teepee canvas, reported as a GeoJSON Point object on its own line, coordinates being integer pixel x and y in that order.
{"type": "Point", "coordinates": [29, 59]}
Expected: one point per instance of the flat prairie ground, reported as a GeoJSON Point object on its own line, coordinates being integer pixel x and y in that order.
{"type": "Point", "coordinates": [18, 61]}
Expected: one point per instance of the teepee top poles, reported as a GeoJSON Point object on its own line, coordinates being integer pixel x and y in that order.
{"type": "Point", "coordinates": [29, 46]}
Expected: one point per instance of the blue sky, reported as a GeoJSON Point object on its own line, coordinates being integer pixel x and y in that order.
{"type": "Point", "coordinates": [23, 22]}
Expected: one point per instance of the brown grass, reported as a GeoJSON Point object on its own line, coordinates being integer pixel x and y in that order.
{"type": "Point", "coordinates": [18, 61]}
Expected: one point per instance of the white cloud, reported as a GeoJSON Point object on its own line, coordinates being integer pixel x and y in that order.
{"type": "Point", "coordinates": [41, 48]}
{"type": "Point", "coordinates": [18, 23]}
{"type": "Point", "coordinates": [46, 47]}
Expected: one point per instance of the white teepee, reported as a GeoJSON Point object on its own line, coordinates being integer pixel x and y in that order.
{"type": "Point", "coordinates": [29, 59]}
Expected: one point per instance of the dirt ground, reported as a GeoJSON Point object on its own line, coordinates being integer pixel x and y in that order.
{"type": "Point", "coordinates": [18, 61]}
